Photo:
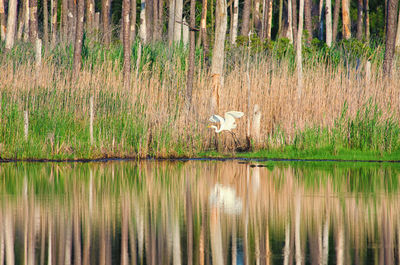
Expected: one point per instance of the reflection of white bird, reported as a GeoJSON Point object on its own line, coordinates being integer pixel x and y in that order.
{"type": "Point", "coordinates": [225, 198]}
{"type": "Point", "coordinates": [226, 124]}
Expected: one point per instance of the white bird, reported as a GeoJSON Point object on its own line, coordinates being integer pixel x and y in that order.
{"type": "Point", "coordinates": [226, 124]}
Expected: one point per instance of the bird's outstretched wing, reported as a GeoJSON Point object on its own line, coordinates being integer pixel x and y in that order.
{"type": "Point", "coordinates": [216, 118]}
{"type": "Point", "coordinates": [234, 114]}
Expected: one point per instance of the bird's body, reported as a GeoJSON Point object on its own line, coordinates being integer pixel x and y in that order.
{"type": "Point", "coordinates": [226, 124]}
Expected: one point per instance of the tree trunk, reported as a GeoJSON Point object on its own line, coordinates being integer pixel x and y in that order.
{"type": "Point", "coordinates": [359, 19]}
{"type": "Point", "coordinates": [280, 17]}
{"type": "Point", "coordinates": [33, 25]}
{"type": "Point", "coordinates": [397, 46]}
{"type": "Point", "coordinates": [105, 16]}
{"type": "Point", "coordinates": [298, 50]}
{"type": "Point", "coordinates": [346, 19]}
{"type": "Point", "coordinates": [171, 21]}
{"type": "Point", "coordinates": [133, 21]}
{"type": "Point", "coordinates": [126, 42]}
{"type": "Point", "coordinates": [328, 19]}
{"type": "Point", "coordinates": [391, 25]}
{"type": "Point", "coordinates": [294, 21]}
{"type": "Point", "coordinates": [321, 20]}
{"type": "Point", "coordinates": [90, 9]}
{"type": "Point", "coordinates": [72, 14]}
{"type": "Point", "coordinates": [366, 19]}
{"type": "Point", "coordinates": [192, 47]}
{"type": "Point", "coordinates": [53, 22]}
{"type": "Point", "coordinates": [142, 29]}
{"type": "Point", "coordinates": [78, 38]}
{"type": "Point", "coordinates": [290, 17]}
{"type": "Point", "coordinates": [246, 18]}
{"type": "Point", "coordinates": [235, 19]}
{"type": "Point", "coordinates": [20, 21]}
{"type": "Point", "coordinates": [11, 21]}
{"type": "Point", "coordinates": [2, 21]}
{"type": "Point", "coordinates": [218, 56]}
{"type": "Point", "coordinates": [178, 17]}
{"type": "Point", "coordinates": [308, 20]}
{"type": "Point", "coordinates": [156, 20]}
{"type": "Point", "coordinates": [45, 22]}
{"type": "Point", "coordinates": [257, 20]}
{"type": "Point", "coordinates": [269, 20]}
{"type": "Point", "coordinates": [64, 18]}
{"type": "Point", "coordinates": [336, 20]}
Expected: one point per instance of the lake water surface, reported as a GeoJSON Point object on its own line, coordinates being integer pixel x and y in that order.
{"type": "Point", "coordinates": [199, 212]}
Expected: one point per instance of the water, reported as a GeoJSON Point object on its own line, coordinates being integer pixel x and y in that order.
{"type": "Point", "coordinates": [199, 212]}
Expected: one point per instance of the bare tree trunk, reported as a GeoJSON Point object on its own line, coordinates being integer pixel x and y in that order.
{"type": "Point", "coordinates": [256, 16]}
{"type": "Point", "coordinates": [290, 17]}
{"type": "Point", "coordinates": [45, 22]}
{"type": "Point", "coordinates": [269, 20]}
{"type": "Point", "coordinates": [328, 19]}
{"type": "Point", "coordinates": [133, 21]}
{"type": "Point", "coordinates": [336, 20]}
{"type": "Point", "coordinates": [149, 19]}
{"type": "Point", "coordinates": [294, 21]}
{"type": "Point", "coordinates": [246, 18]}
{"type": "Point", "coordinates": [366, 19]}
{"type": "Point", "coordinates": [2, 21]}
{"type": "Point", "coordinates": [33, 25]}
{"type": "Point", "coordinates": [391, 26]}
{"type": "Point", "coordinates": [126, 42]}
{"type": "Point", "coordinates": [298, 50]}
{"type": "Point", "coordinates": [156, 20]}
{"type": "Point", "coordinates": [346, 19]}
{"type": "Point", "coordinates": [11, 21]}
{"type": "Point", "coordinates": [64, 18]}
{"type": "Point", "coordinates": [192, 47]}
{"type": "Point", "coordinates": [203, 28]}
{"type": "Point", "coordinates": [171, 21]}
{"type": "Point", "coordinates": [321, 19]}
{"type": "Point", "coordinates": [20, 21]}
{"type": "Point", "coordinates": [72, 14]}
{"type": "Point", "coordinates": [53, 22]}
{"type": "Point", "coordinates": [308, 19]}
{"type": "Point", "coordinates": [235, 19]}
{"type": "Point", "coordinates": [143, 26]}
{"type": "Point", "coordinates": [280, 17]}
{"type": "Point", "coordinates": [105, 16]}
{"type": "Point", "coordinates": [178, 18]}
{"type": "Point", "coordinates": [90, 10]}
{"type": "Point", "coordinates": [218, 56]}
{"type": "Point", "coordinates": [360, 9]}
{"type": "Point", "coordinates": [397, 46]}
{"type": "Point", "coordinates": [78, 38]}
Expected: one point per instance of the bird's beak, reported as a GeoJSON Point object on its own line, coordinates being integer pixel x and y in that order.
{"type": "Point", "coordinates": [209, 126]}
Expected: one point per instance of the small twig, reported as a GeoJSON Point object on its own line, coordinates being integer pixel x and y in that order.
{"type": "Point", "coordinates": [187, 24]}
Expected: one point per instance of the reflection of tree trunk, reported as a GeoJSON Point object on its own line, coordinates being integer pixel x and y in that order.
{"type": "Point", "coordinates": [387, 239]}
{"type": "Point", "coordinates": [286, 249]}
{"type": "Point", "coordinates": [234, 241]}
{"type": "Point", "coordinates": [189, 210]}
{"type": "Point", "coordinates": [9, 237]}
{"type": "Point", "coordinates": [86, 246]}
{"type": "Point", "coordinates": [68, 242]}
{"type": "Point", "coordinates": [77, 235]}
{"type": "Point", "coordinates": [124, 225]}
{"type": "Point", "coordinates": [176, 242]}
{"type": "Point", "coordinates": [325, 241]}
{"type": "Point", "coordinates": [299, 257]}
{"type": "Point", "coordinates": [216, 240]}
{"type": "Point", "coordinates": [2, 235]}
{"type": "Point", "coordinates": [132, 241]}
{"type": "Point", "coordinates": [340, 244]}
{"type": "Point", "coordinates": [43, 236]}
{"type": "Point", "coordinates": [201, 237]}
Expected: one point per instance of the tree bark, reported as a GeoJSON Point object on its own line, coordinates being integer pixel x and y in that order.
{"type": "Point", "coordinates": [397, 46]}
{"type": "Point", "coordinates": [321, 19]}
{"type": "Point", "coordinates": [45, 22]}
{"type": "Point", "coordinates": [328, 19]}
{"type": "Point", "coordinates": [290, 18]}
{"type": "Point", "coordinates": [257, 20]}
{"type": "Point", "coordinates": [78, 37]}
{"type": "Point", "coordinates": [11, 21]}
{"type": "Point", "coordinates": [235, 19]}
{"type": "Point", "coordinates": [53, 22]}
{"type": "Point", "coordinates": [360, 8]}
{"type": "Point", "coordinates": [171, 21]}
{"type": "Point", "coordinates": [269, 20]}
{"type": "Point", "coordinates": [149, 20]}
{"type": "Point", "coordinates": [192, 47]}
{"type": "Point", "coordinates": [246, 18]}
{"type": "Point", "coordinates": [142, 29]}
{"type": "Point", "coordinates": [72, 14]}
{"type": "Point", "coordinates": [64, 18]}
{"type": "Point", "coordinates": [308, 19]}
{"type": "Point", "coordinates": [105, 16]}
{"type": "Point", "coordinates": [280, 17]}
{"type": "Point", "coordinates": [157, 19]}
{"type": "Point", "coordinates": [2, 21]}
{"type": "Point", "coordinates": [126, 42]}
{"type": "Point", "coordinates": [33, 25]}
{"type": "Point", "coordinates": [178, 17]}
{"type": "Point", "coordinates": [218, 56]}
{"type": "Point", "coordinates": [391, 25]}
{"type": "Point", "coordinates": [90, 10]}
{"type": "Point", "coordinates": [299, 64]}
{"type": "Point", "coordinates": [294, 21]}
{"type": "Point", "coordinates": [335, 20]}
{"type": "Point", "coordinates": [133, 21]}
{"type": "Point", "coordinates": [366, 19]}
{"type": "Point", "coordinates": [346, 19]}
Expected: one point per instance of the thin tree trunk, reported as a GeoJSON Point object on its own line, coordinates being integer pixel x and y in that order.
{"type": "Point", "coordinates": [366, 19]}
{"type": "Point", "coordinates": [256, 18]}
{"type": "Point", "coordinates": [143, 26]}
{"type": "Point", "coordinates": [246, 18]}
{"type": "Point", "coordinates": [321, 19]}
{"type": "Point", "coordinates": [8, 225]}
{"type": "Point", "coordinates": [72, 14]}
{"type": "Point", "coordinates": [11, 21]}
{"type": "Point", "coordinates": [397, 46]}
{"type": "Point", "coordinates": [346, 19]}
{"type": "Point", "coordinates": [156, 20]}
{"type": "Point", "coordinates": [391, 26]}
{"type": "Point", "coordinates": [235, 19]}
{"type": "Point", "coordinates": [105, 16]}
{"type": "Point", "coordinates": [335, 20]}
{"type": "Point", "coordinates": [290, 18]}
{"type": "Point", "coordinates": [20, 21]}
{"type": "Point", "coordinates": [33, 25]}
{"type": "Point", "coordinates": [2, 21]}
{"type": "Point", "coordinates": [53, 22]}
{"type": "Point", "coordinates": [308, 20]}
{"type": "Point", "coordinates": [171, 21]}
{"type": "Point", "coordinates": [90, 10]}
{"type": "Point", "coordinates": [178, 18]}
{"type": "Point", "coordinates": [124, 203]}
{"type": "Point", "coordinates": [298, 51]}
{"type": "Point", "coordinates": [78, 38]}
{"type": "Point", "coordinates": [268, 29]}
{"type": "Point", "coordinates": [45, 22]}
{"type": "Point", "coordinates": [203, 29]}
{"type": "Point", "coordinates": [359, 19]}
{"type": "Point", "coordinates": [294, 21]}
{"type": "Point", "coordinates": [189, 206]}
{"type": "Point", "coordinates": [126, 42]}
{"type": "Point", "coordinates": [149, 19]}
{"type": "Point", "coordinates": [192, 47]}
{"type": "Point", "coordinates": [328, 19]}
{"type": "Point", "coordinates": [133, 21]}
{"type": "Point", "coordinates": [218, 56]}
{"type": "Point", "coordinates": [280, 17]}
{"type": "Point", "coordinates": [64, 18]}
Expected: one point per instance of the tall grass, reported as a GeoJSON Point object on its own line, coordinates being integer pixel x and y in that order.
{"type": "Point", "coordinates": [338, 107]}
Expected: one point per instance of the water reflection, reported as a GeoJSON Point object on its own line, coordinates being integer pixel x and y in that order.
{"type": "Point", "coordinates": [198, 213]}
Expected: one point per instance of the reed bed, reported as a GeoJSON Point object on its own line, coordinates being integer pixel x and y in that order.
{"type": "Point", "coordinates": [338, 107]}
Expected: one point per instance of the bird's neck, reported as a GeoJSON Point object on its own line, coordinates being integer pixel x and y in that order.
{"type": "Point", "coordinates": [216, 128]}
